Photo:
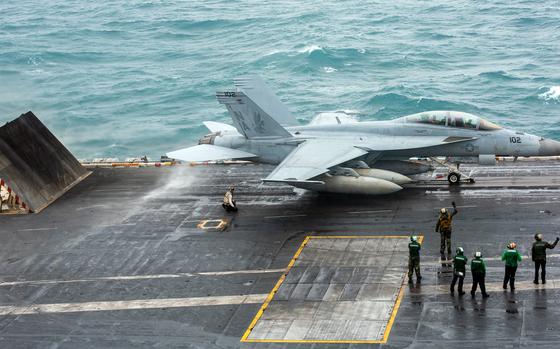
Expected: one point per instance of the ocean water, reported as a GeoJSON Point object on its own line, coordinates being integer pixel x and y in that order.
{"type": "Point", "coordinates": [127, 78]}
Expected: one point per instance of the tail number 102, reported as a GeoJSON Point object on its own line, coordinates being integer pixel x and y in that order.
{"type": "Point", "coordinates": [515, 139]}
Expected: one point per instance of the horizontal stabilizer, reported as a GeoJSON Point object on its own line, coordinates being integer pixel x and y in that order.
{"type": "Point", "coordinates": [218, 127]}
{"type": "Point", "coordinates": [207, 152]}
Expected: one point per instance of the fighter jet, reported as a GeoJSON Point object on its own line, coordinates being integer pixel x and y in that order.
{"type": "Point", "coordinates": [337, 153]}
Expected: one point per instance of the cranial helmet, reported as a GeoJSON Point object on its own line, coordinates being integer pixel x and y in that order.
{"type": "Point", "coordinates": [538, 236]}
{"type": "Point", "coordinates": [443, 211]}
{"type": "Point", "coordinates": [460, 250]}
{"type": "Point", "coordinates": [413, 238]}
{"type": "Point", "coordinates": [478, 254]}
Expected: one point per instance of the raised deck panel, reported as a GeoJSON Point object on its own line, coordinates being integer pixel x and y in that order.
{"type": "Point", "coordinates": [35, 164]}
{"type": "Point", "coordinates": [337, 290]}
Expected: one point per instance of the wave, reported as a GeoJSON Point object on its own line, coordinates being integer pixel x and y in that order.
{"type": "Point", "coordinates": [433, 35]}
{"type": "Point", "coordinates": [553, 94]}
{"type": "Point", "coordinates": [76, 57]}
{"type": "Point", "coordinates": [9, 72]}
{"type": "Point", "coordinates": [310, 49]}
{"type": "Point", "coordinates": [312, 57]}
{"type": "Point", "coordinates": [199, 25]}
{"type": "Point", "coordinates": [175, 24]}
{"type": "Point", "coordinates": [104, 33]}
{"type": "Point", "coordinates": [498, 75]}
{"type": "Point", "coordinates": [540, 21]}
{"type": "Point", "coordinates": [386, 20]}
{"type": "Point", "coordinates": [525, 21]}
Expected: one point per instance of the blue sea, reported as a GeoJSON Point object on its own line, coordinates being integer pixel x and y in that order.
{"type": "Point", "coordinates": [127, 78]}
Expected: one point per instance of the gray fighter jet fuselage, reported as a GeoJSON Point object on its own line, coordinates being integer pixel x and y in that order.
{"type": "Point", "coordinates": [337, 153]}
{"type": "Point", "coordinates": [496, 141]}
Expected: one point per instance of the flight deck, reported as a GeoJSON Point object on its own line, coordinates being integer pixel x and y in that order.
{"type": "Point", "coordinates": [147, 257]}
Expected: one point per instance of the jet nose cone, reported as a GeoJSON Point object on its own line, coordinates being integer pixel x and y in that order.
{"type": "Point", "coordinates": [549, 147]}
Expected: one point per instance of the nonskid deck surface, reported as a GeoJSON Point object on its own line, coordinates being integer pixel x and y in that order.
{"type": "Point", "coordinates": [120, 260]}
{"type": "Point", "coordinates": [337, 289]}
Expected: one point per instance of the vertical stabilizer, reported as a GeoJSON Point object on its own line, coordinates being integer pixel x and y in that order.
{"type": "Point", "coordinates": [249, 118]}
{"type": "Point", "coordinates": [255, 88]}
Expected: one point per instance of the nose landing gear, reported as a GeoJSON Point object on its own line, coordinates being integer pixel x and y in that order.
{"type": "Point", "coordinates": [454, 176]}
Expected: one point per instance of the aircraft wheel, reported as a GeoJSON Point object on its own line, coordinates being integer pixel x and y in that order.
{"type": "Point", "coordinates": [454, 178]}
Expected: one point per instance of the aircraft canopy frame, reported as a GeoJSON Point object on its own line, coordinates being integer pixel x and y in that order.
{"type": "Point", "coordinates": [452, 119]}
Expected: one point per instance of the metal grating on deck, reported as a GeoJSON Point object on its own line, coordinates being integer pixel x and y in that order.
{"type": "Point", "coordinates": [337, 289]}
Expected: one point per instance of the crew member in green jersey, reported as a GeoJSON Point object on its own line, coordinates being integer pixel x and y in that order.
{"type": "Point", "coordinates": [414, 259]}
{"type": "Point", "coordinates": [478, 270]}
{"type": "Point", "coordinates": [459, 269]}
{"type": "Point", "coordinates": [511, 258]}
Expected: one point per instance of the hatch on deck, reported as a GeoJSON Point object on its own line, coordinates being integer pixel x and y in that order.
{"type": "Point", "coordinates": [35, 168]}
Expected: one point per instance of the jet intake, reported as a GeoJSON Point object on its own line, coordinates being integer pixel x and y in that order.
{"type": "Point", "coordinates": [390, 176]}
{"type": "Point", "coordinates": [351, 185]}
{"type": "Point", "coordinates": [487, 159]}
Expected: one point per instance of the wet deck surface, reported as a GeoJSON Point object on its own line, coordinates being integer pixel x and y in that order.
{"type": "Point", "coordinates": [338, 290]}
{"type": "Point", "coordinates": [120, 262]}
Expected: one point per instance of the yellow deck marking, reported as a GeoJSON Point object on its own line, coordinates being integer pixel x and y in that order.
{"type": "Point", "coordinates": [273, 292]}
{"type": "Point", "coordinates": [390, 323]}
{"type": "Point", "coordinates": [393, 316]}
{"type": "Point", "coordinates": [220, 224]}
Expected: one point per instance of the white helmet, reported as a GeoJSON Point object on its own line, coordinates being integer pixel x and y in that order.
{"type": "Point", "coordinates": [478, 254]}
{"type": "Point", "coordinates": [538, 236]}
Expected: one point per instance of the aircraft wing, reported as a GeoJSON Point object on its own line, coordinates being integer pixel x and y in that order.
{"type": "Point", "coordinates": [312, 158]}
{"type": "Point", "coordinates": [316, 156]}
{"type": "Point", "coordinates": [207, 152]}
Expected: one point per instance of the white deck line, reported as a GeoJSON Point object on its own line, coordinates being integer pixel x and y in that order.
{"type": "Point", "coordinates": [131, 304]}
{"type": "Point", "coordinates": [139, 277]}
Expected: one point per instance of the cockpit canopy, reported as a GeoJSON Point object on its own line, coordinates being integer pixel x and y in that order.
{"type": "Point", "coordinates": [451, 119]}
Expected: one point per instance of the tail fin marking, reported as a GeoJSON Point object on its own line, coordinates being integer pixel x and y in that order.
{"type": "Point", "coordinates": [255, 88]}
{"type": "Point", "coordinates": [249, 118]}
